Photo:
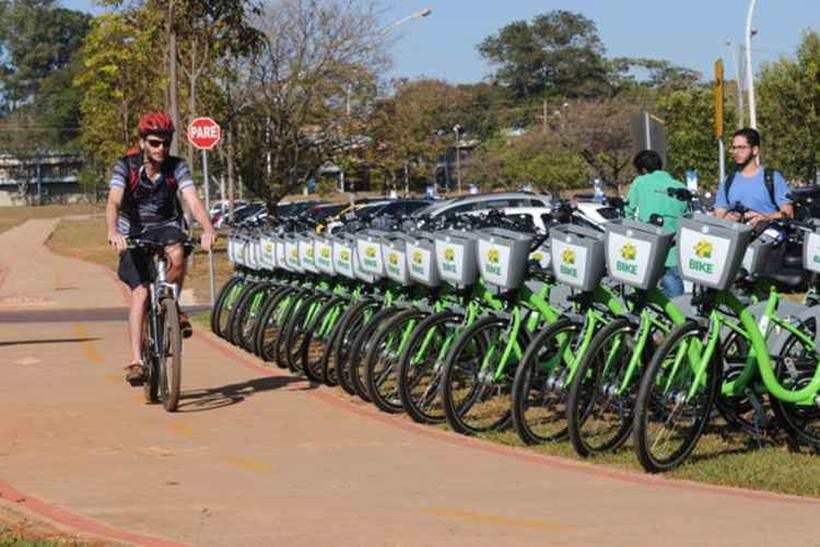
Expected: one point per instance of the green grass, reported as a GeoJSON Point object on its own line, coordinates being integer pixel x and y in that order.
{"type": "Point", "coordinates": [728, 460]}
{"type": "Point", "coordinates": [14, 216]}
{"type": "Point", "coordinates": [14, 537]}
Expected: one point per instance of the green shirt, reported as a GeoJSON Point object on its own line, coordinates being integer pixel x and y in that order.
{"type": "Point", "coordinates": [647, 196]}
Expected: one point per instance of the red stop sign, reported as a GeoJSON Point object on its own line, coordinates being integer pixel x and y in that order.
{"type": "Point", "coordinates": [204, 133]}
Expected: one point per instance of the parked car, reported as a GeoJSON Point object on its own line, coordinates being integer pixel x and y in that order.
{"type": "Point", "coordinates": [477, 202]}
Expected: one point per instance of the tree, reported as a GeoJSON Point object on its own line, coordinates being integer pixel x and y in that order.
{"type": "Point", "coordinates": [535, 158]}
{"type": "Point", "coordinates": [295, 101]}
{"type": "Point", "coordinates": [121, 80]}
{"type": "Point", "coordinates": [599, 131]}
{"type": "Point", "coordinates": [559, 53]}
{"type": "Point", "coordinates": [689, 117]}
{"type": "Point", "coordinates": [789, 111]}
{"type": "Point", "coordinates": [38, 37]}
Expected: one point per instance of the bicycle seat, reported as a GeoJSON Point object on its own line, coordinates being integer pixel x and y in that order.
{"type": "Point", "coordinates": [788, 279]}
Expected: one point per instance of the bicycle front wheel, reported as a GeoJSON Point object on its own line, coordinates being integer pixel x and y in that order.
{"type": "Point", "coordinates": [673, 407]}
{"type": "Point", "coordinates": [170, 361]}
{"type": "Point", "coordinates": [539, 393]}
{"type": "Point", "coordinates": [476, 393]}
{"type": "Point", "coordinates": [601, 399]}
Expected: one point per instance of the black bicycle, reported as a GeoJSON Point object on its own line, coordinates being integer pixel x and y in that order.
{"type": "Point", "coordinates": [161, 351]}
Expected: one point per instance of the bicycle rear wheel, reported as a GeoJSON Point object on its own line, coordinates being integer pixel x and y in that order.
{"type": "Point", "coordinates": [796, 366]}
{"type": "Point", "coordinates": [361, 345]}
{"type": "Point", "coordinates": [170, 361]}
{"type": "Point", "coordinates": [668, 421]}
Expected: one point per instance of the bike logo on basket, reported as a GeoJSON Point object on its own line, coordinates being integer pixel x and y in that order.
{"type": "Point", "coordinates": [294, 253]}
{"type": "Point", "coordinates": [393, 262]}
{"type": "Point", "coordinates": [268, 248]}
{"type": "Point", "coordinates": [325, 252]}
{"type": "Point", "coordinates": [703, 250]}
{"type": "Point", "coordinates": [345, 255]}
{"type": "Point", "coordinates": [370, 254]}
{"type": "Point", "coordinates": [629, 253]}
{"type": "Point", "coordinates": [493, 257]}
{"type": "Point", "coordinates": [568, 261]}
{"type": "Point", "coordinates": [449, 257]}
{"type": "Point", "coordinates": [417, 263]}
{"type": "Point", "coordinates": [310, 253]}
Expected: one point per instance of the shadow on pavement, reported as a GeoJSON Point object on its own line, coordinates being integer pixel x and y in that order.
{"type": "Point", "coordinates": [45, 341]}
{"type": "Point", "coordinates": [198, 400]}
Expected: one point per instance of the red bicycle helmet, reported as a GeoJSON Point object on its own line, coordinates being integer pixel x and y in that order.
{"type": "Point", "coordinates": [156, 123]}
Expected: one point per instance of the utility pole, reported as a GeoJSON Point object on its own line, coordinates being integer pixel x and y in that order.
{"type": "Point", "coordinates": [749, 70]}
{"type": "Point", "coordinates": [457, 130]}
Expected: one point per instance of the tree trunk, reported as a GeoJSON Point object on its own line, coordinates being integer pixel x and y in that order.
{"type": "Point", "coordinates": [173, 80]}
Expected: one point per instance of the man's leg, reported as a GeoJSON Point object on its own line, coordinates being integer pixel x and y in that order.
{"type": "Point", "coordinates": [176, 274]}
{"type": "Point", "coordinates": [672, 283]}
{"type": "Point", "coordinates": [139, 296]}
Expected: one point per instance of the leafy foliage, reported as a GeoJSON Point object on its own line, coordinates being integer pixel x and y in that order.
{"type": "Point", "coordinates": [789, 99]}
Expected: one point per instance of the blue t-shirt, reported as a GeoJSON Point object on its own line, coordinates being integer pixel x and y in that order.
{"type": "Point", "coordinates": [751, 192]}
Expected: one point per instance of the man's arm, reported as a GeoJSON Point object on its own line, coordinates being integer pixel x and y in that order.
{"type": "Point", "coordinates": [201, 215]}
{"type": "Point", "coordinates": [112, 209]}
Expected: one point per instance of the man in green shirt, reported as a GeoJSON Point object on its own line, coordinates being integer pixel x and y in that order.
{"type": "Point", "coordinates": [648, 196]}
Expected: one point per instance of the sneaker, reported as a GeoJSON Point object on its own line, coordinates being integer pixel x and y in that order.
{"type": "Point", "coordinates": [135, 374]}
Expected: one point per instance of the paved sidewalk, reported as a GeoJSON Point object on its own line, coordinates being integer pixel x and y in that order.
{"type": "Point", "coordinates": [258, 458]}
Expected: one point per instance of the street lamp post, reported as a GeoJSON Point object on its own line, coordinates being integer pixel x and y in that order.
{"type": "Point", "coordinates": [457, 129]}
{"type": "Point", "coordinates": [749, 71]}
{"type": "Point", "coordinates": [392, 26]}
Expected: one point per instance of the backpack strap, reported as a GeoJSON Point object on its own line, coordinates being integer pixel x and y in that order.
{"type": "Point", "coordinates": [727, 184]}
{"type": "Point", "coordinates": [768, 180]}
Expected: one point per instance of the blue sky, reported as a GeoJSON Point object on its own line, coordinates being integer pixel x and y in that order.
{"type": "Point", "coordinates": [691, 33]}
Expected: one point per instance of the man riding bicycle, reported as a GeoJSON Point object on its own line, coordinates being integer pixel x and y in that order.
{"type": "Point", "coordinates": [143, 202]}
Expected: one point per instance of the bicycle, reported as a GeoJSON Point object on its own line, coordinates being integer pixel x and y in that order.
{"type": "Point", "coordinates": [685, 375]}
{"type": "Point", "coordinates": [161, 350]}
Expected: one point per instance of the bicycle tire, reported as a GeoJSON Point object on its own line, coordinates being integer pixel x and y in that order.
{"type": "Point", "coordinates": [220, 319]}
{"type": "Point", "coordinates": [315, 341]}
{"type": "Point", "coordinates": [352, 321]}
{"type": "Point", "coordinates": [296, 333]}
{"type": "Point", "coordinates": [794, 370]}
{"type": "Point", "coordinates": [420, 376]}
{"type": "Point", "coordinates": [361, 345]}
{"type": "Point", "coordinates": [661, 374]}
{"type": "Point", "coordinates": [228, 330]}
{"type": "Point", "coordinates": [244, 321]}
{"type": "Point", "coordinates": [382, 382]}
{"type": "Point", "coordinates": [547, 420]}
{"type": "Point", "coordinates": [285, 312]}
{"type": "Point", "coordinates": [599, 420]}
{"type": "Point", "coordinates": [150, 388]}
{"type": "Point", "coordinates": [170, 369]}
{"type": "Point", "coordinates": [219, 303]}
{"type": "Point", "coordinates": [266, 328]}
{"type": "Point", "coordinates": [485, 406]}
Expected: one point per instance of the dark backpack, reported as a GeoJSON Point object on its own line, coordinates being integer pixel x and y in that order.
{"type": "Point", "coordinates": [768, 180]}
{"type": "Point", "coordinates": [134, 163]}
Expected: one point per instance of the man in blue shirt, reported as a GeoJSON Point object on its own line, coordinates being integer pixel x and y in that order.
{"type": "Point", "coordinates": [748, 187]}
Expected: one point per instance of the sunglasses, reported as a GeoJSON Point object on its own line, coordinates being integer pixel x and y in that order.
{"type": "Point", "coordinates": [156, 143]}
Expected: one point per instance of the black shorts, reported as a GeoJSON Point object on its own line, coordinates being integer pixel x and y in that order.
{"type": "Point", "coordinates": [135, 267]}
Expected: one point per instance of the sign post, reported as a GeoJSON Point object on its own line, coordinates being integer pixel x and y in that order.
{"type": "Point", "coordinates": [204, 133]}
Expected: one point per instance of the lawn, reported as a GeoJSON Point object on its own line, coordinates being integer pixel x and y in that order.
{"type": "Point", "coordinates": [86, 239]}
{"type": "Point", "coordinates": [13, 216]}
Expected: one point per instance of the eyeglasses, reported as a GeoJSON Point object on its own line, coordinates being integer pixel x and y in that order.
{"type": "Point", "coordinates": [156, 143]}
